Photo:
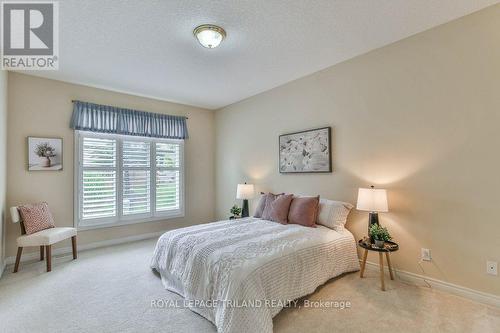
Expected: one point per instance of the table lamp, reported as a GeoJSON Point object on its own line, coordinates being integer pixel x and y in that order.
{"type": "Point", "coordinates": [373, 200]}
{"type": "Point", "coordinates": [245, 192]}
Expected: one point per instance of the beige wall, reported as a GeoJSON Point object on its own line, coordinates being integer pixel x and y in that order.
{"type": "Point", "coordinates": [419, 117]}
{"type": "Point", "coordinates": [3, 161]}
{"type": "Point", "coordinates": [41, 107]}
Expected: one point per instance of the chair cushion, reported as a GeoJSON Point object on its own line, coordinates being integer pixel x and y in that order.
{"type": "Point", "coordinates": [46, 237]}
{"type": "Point", "coordinates": [36, 217]}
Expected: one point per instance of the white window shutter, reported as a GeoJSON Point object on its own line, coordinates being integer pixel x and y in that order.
{"type": "Point", "coordinates": [136, 178]}
{"type": "Point", "coordinates": [167, 176]}
{"type": "Point", "coordinates": [99, 178]}
{"type": "Point", "coordinates": [126, 179]}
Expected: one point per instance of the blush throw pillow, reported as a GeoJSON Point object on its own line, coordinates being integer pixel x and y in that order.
{"type": "Point", "coordinates": [280, 207]}
{"type": "Point", "coordinates": [333, 214]}
{"type": "Point", "coordinates": [261, 205]}
{"type": "Point", "coordinates": [36, 217]}
{"type": "Point", "coordinates": [304, 211]}
{"type": "Point", "coordinates": [266, 213]}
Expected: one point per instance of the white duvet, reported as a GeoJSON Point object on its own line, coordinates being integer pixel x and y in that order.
{"type": "Point", "coordinates": [238, 274]}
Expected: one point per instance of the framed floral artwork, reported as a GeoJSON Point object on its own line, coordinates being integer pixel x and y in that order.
{"type": "Point", "coordinates": [306, 152]}
{"type": "Point", "coordinates": [45, 154]}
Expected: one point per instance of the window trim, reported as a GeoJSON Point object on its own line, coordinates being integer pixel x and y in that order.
{"type": "Point", "coordinates": [120, 219]}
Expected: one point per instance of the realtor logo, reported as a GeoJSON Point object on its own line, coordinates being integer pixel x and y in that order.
{"type": "Point", "coordinates": [30, 35]}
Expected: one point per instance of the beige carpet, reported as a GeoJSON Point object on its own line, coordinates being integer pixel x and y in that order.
{"type": "Point", "coordinates": [111, 289]}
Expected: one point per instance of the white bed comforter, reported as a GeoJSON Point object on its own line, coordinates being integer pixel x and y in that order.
{"type": "Point", "coordinates": [249, 262]}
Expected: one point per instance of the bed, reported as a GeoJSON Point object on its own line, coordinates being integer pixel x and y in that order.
{"type": "Point", "coordinates": [240, 273]}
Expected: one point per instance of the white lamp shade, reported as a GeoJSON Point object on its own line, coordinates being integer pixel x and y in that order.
{"type": "Point", "coordinates": [372, 200]}
{"type": "Point", "coordinates": [244, 191]}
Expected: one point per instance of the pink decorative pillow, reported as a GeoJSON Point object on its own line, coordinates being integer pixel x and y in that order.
{"type": "Point", "coordinates": [280, 207]}
{"type": "Point", "coordinates": [304, 211]}
{"type": "Point", "coordinates": [36, 217]}
{"type": "Point", "coordinates": [266, 213]}
{"type": "Point", "coordinates": [261, 205]}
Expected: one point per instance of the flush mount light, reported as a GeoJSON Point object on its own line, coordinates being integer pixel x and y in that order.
{"type": "Point", "coordinates": [209, 35]}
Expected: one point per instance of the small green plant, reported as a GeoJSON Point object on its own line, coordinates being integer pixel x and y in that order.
{"type": "Point", "coordinates": [235, 210]}
{"type": "Point", "coordinates": [379, 233]}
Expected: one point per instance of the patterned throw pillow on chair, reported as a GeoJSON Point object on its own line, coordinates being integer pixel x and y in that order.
{"type": "Point", "coordinates": [36, 217]}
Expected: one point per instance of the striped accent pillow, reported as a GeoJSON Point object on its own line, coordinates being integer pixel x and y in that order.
{"type": "Point", "coordinates": [333, 214]}
{"type": "Point", "coordinates": [36, 217]}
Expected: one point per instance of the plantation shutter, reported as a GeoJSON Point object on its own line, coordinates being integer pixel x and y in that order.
{"type": "Point", "coordinates": [136, 177]}
{"type": "Point", "coordinates": [125, 179]}
{"type": "Point", "coordinates": [167, 176]}
{"type": "Point", "coordinates": [98, 178]}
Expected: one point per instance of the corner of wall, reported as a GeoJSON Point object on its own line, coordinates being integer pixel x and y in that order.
{"type": "Point", "coordinates": [3, 164]}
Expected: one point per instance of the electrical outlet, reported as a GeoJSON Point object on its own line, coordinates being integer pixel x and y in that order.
{"type": "Point", "coordinates": [425, 254]}
{"type": "Point", "coordinates": [492, 267]}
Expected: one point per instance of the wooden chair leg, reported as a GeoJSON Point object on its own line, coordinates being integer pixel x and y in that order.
{"type": "Point", "coordinates": [18, 258]}
{"type": "Point", "coordinates": [73, 244]}
{"type": "Point", "coordinates": [363, 263]}
{"type": "Point", "coordinates": [48, 249]}
{"type": "Point", "coordinates": [41, 252]}
{"type": "Point", "coordinates": [389, 264]}
{"type": "Point", "coordinates": [381, 263]}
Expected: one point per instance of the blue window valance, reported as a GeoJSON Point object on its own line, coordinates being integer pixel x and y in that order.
{"type": "Point", "coordinates": [109, 119]}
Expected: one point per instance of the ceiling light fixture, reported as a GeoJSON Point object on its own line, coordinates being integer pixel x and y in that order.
{"type": "Point", "coordinates": [209, 35]}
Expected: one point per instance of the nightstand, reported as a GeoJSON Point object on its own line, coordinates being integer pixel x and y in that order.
{"type": "Point", "coordinates": [387, 249]}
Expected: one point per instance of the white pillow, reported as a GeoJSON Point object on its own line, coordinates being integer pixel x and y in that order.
{"type": "Point", "coordinates": [333, 214]}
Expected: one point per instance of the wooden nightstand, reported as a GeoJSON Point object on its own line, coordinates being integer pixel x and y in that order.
{"type": "Point", "coordinates": [388, 248]}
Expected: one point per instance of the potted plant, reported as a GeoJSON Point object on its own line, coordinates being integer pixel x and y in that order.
{"type": "Point", "coordinates": [379, 234]}
{"type": "Point", "coordinates": [236, 211]}
{"type": "Point", "coordinates": [45, 152]}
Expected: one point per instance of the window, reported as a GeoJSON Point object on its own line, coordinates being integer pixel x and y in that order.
{"type": "Point", "coordinates": [126, 179]}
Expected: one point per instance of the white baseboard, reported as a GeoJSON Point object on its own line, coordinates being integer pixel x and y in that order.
{"type": "Point", "coordinates": [421, 280]}
{"type": "Point", "coordinates": [68, 250]}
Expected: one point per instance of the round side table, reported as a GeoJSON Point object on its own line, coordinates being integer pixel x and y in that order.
{"type": "Point", "coordinates": [387, 249]}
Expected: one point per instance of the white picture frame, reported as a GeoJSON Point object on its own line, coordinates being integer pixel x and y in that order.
{"type": "Point", "coordinates": [45, 154]}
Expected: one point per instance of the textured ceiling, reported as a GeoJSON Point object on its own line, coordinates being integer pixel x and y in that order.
{"type": "Point", "coordinates": [147, 47]}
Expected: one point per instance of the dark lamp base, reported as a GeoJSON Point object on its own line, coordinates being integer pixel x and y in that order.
{"type": "Point", "coordinates": [244, 210]}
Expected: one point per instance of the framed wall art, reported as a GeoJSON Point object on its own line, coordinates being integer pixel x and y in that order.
{"type": "Point", "coordinates": [306, 151]}
{"type": "Point", "coordinates": [45, 154]}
